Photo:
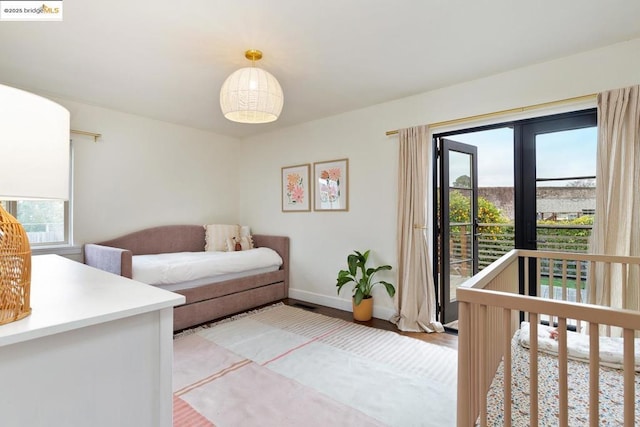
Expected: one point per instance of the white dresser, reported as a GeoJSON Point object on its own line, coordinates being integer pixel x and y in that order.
{"type": "Point", "coordinates": [97, 350]}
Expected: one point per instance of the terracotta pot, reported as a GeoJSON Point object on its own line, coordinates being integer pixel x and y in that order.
{"type": "Point", "coordinates": [363, 311]}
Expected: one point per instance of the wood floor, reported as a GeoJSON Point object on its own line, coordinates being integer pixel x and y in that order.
{"type": "Point", "coordinates": [444, 339]}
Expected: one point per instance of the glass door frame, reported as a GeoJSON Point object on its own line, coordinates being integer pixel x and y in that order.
{"type": "Point", "coordinates": [525, 229]}
{"type": "Point", "coordinates": [526, 179]}
{"type": "Point", "coordinates": [448, 308]}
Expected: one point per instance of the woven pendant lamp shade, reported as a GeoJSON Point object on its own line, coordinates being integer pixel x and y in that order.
{"type": "Point", "coordinates": [15, 270]}
{"type": "Point", "coordinates": [251, 94]}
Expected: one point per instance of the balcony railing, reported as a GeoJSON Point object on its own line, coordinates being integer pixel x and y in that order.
{"type": "Point", "coordinates": [495, 240]}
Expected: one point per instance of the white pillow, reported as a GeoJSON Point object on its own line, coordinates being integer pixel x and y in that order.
{"type": "Point", "coordinates": [246, 242]}
{"type": "Point", "coordinates": [216, 236]}
{"type": "Point", "coordinates": [245, 230]}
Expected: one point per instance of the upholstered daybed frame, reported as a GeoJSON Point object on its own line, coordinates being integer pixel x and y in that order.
{"type": "Point", "coordinates": [205, 302]}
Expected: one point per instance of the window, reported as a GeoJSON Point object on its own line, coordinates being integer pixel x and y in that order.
{"type": "Point", "coordinates": [46, 222]}
{"type": "Point", "coordinates": [43, 220]}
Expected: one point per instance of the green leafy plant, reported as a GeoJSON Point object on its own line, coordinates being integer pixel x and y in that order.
{"type": "Point", "coordinates": [362, 277]}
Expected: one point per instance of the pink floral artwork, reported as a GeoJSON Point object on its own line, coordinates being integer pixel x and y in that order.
{"type": "Point", "coordinates": [331, 185]}
{"type": "Point", "coordinates": [295, 191]}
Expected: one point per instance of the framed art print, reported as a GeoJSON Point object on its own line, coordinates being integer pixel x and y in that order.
{"type": "Point", "coordinates": [296, 191]}
{"type": "Point", "coordinates": [331, 182]}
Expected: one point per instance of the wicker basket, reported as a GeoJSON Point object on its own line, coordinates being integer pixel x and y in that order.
{"type": "Point", "coordinates": [15, 270]}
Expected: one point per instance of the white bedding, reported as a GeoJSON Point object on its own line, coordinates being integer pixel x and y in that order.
{"type": "Point", "coordinates": [176, 287]}
{"type": "Point", "coordinates": [611, 348]}
{"type": "Point", "coordinates": [178, 267]}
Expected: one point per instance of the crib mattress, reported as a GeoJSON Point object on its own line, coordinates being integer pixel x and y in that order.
{"type": "Point", "coordinates": [611, 392]}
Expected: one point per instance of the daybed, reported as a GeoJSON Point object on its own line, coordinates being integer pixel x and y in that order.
{"type": "Point", "coordinates": [558, 358]}
{"type": "Point", "coordinates": [205, 299]}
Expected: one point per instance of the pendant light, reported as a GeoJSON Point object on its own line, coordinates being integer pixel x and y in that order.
{"type": "Point", "coordinates": [251, 94]}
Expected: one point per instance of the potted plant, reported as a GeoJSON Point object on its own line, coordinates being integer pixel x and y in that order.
{"type": "Point", "coordinates": [362, 277]}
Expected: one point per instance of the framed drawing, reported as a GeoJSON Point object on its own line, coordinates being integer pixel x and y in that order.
{"type": "Point", "coordinates": [331, 182]}
{"type": "Point", "coordinates": [296, 191]}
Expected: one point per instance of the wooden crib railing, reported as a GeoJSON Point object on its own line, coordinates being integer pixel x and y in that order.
{"type": "Point", "coordinates": [490, 310]}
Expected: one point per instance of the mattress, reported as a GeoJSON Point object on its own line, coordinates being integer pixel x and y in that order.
{"type": "Point", "coordinates": [611, 348]}
{"type": "Point", "coordinates": [611, 392]}
{"type": "Point", "coordinates": [175, 287]}
{"type": "Point", "coordinates": [194, 268]}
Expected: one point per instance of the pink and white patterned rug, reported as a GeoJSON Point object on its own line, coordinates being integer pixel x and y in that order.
{"type": "Point", "coordinates": [284, 366]}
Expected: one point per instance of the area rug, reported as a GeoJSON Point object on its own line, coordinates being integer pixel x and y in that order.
{"type": "Point", "coordinates": [285, 366]}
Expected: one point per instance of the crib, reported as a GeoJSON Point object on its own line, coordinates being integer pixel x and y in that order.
{"type": "Point", "coordinates": [548, 381]}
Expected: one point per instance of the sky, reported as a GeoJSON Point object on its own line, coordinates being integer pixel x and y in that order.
{"type": "Point", "coordinates": [558, 154]}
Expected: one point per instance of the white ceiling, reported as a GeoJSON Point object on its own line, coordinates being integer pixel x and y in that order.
{"type": "Point", "coordinates": [167, 60]}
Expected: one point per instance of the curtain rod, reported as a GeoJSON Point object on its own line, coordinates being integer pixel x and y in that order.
{"type": "Point", "coordinates": [84, 132]}
{"type": "Point", "coordinates": [503, 112]}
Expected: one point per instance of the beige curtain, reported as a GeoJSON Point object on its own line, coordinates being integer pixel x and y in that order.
{"type": "Point", "coordinates": [616, 228]}
{"type": "Point", "coordinates": [415, 297]}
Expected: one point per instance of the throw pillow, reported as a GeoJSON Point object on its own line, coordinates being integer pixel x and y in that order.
{"type": "Point", "coordinates": [216, 236]}
{"type": "Point", "coordinates": [245, 243]}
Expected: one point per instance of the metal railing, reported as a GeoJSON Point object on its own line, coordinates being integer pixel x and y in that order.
{"type": "Point", "coordinates": [495, 240]}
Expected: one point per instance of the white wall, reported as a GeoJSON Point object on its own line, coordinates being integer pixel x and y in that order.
{"type": "Point", "coordinates": [320, 241]}
{"type": "Point", "coordinates": [144, 172]}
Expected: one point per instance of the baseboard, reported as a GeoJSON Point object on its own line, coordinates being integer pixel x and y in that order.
{"type": "Point", "coordinates": [383, 313]}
